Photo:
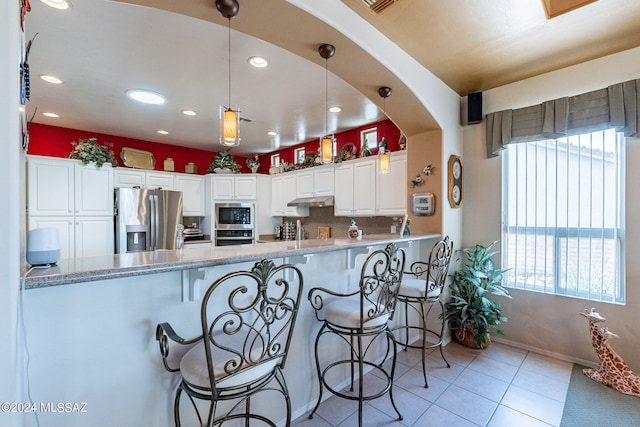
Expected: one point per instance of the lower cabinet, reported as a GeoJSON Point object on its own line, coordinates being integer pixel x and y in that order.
{"type": "Point", "coordinates": [80, 236]}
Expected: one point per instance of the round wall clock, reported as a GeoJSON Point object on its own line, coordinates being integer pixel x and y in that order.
{"type": "Point", "coordinates": [455, 181]}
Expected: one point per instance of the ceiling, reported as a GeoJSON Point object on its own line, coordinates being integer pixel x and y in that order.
{"type": "Point", "coordinates": [101, 48]}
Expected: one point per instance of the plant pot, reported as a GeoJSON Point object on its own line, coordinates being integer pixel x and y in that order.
{"type": "Point", "coordinates": [466, 337]}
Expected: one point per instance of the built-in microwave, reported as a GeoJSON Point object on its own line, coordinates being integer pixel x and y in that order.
{"type": "Point", "coordinates": [234, 215]}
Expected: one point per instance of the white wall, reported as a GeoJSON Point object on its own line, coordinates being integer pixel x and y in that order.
{"type": "Point", "coordinates": [10, 211]}
{"type": "Point", "coordinates": [543, 321]}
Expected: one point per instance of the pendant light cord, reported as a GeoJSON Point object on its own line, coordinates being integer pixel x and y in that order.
{"type": "Point", "coordinates": [326, 97]}
{"type": "Point", "coordinates": [229, 62]}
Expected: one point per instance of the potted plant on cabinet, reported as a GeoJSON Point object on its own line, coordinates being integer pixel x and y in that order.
{"type": "Point", "coordinates": [223, 162]}
{"type": "Point", "coordinates": [89, 150]}
{"type": "Point", "coordinates": [472, 315]}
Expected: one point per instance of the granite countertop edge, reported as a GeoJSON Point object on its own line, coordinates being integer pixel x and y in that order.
{"type": "Point", "coordinates": [81, 270]}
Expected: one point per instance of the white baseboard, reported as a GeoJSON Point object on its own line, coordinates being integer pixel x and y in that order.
{"type": "Point", "coordinates": [564, 357]}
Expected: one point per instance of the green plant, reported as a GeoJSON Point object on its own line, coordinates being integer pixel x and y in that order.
{"type": "Point", "coordinates": [470, 310]}
{"type": "Point", "coordinates": [224, 160]}
{"type": "Point", "coordinates": [89, 150]}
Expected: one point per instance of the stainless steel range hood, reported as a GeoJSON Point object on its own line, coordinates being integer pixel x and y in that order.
{"type": "Point", "coordinates": [312, 202]}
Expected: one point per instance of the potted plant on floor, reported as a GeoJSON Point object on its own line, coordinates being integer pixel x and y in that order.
{"type": "Point", "coordinates": [471, 313]}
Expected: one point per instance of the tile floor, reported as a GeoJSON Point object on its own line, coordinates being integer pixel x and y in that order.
{"type": "Point", "coordinates": [500, 386]}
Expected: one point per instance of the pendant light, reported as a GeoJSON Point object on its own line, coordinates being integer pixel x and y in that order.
{"type": "Point", "coordinates": [384, 92]}
{"type": "Point", "coordinates": [326, 142]}
{"type": "Point", "coordinates": [229, 118]}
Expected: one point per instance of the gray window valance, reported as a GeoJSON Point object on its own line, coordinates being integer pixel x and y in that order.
{"type": "Point", "coordinates": [617, 106]}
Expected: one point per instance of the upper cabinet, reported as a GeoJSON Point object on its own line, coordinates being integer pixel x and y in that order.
{"type": "Point", "coordinates": [316, 181]}
{"type": "Point", "coordinates": [233, 187]}
{"type": "Point", "coordinates": [355, 188]}
{"type": "Point", "coordinates": [193, 194]}
{"type": "Point", "coordinates": [126, 177]}
{"type": "Point", "coordinates": [391, 188]}
{"type": "Point", "coordinates": [283, 190]}
{"type": "Point", "coordinates": [62, 187]}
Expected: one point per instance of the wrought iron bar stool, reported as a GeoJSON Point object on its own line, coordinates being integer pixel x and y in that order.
{"type": "Point", "coordinates": [359, 318]}
{"type": "Point", "coordinates": [247, 322]}
{"type": "Point", "coordinates": [422, 288]}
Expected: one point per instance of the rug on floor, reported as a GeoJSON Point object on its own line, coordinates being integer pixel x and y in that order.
{"type": "Point", "coordinates": [589, 403]}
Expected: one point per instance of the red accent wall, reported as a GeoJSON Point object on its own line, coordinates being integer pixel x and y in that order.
{"type": "Point", "coordinates": [386, 127]}
{"type": "Point", "coordinates": [53, 141]}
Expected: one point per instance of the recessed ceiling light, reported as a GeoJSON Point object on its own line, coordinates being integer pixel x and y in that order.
{"type": "Point", "coordinates": [163, 132]}
{"type": "Point", "coordinates": [258, 61]}
{"type": "Point", "coordinates": [189, 112]}
{"type": "Point", "coordinates": [54, 115]}
{"type": "Point", "coordinates": [146, 96]}
{"type": "Point", "coordinates": [272, 133]}
{"type": "Point", "coordinates": [57, 4]}
{"type": "Point", "coordinates": [50, 79]}
{"type": "Point", "coordinates": [335, 109]}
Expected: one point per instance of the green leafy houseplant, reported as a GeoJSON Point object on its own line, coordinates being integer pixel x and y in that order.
{"type": "Point", "coordinates": [89, 150]}
{"type": "Point", "coordinates": [470, 310]}
{"type": "Point", "coordinates": [223, 160]}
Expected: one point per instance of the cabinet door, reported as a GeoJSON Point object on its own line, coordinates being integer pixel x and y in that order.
{"type": "Point", "coordinates": [304, 184]}
{"type": "Point", "coordinates": [128, 178]}
{"type": "Point", "coordinates": [50, 187]}
{"type": "Point", "coordinates": [323, 181]}
{"type": "Point", "coordinates": [343, 200]}
{"type": "Point", "coordinates": [193, 194]}
{"type": "Point", "coordinates": [245, 187]}
{"type": "Point", "coordinates": [163, 180]}
{"type": "Point", "coordinates": [93, 190]}
{"type": "Point", "coordinates": [277, 196]}
{"type": "Point", "coordinates": [289, 192]}
{"type": "Point", "coordinates": [94, 236]}
{"type": "Point", "coordinates": [364, 188]}
{"type": "Point", "coordinates": [391, 198]}
{"type": "Point", "coordinates": [65, 231]}
{"type": "Point", "coordinates": [222, 187]}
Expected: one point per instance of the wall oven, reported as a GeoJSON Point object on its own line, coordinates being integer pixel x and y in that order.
{"type": "Point", "coordinates": [234, 223]}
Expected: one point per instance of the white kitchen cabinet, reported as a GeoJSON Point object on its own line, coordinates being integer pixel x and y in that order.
{"type": "Point", "coordinates": [129, 178]}
{"type": "Point", "coordinates": [391, 188]}
{"type": "Point", "coordinates": [50, 186]}
{"type": "Point", "coordinates": [284, 190]}
{"type": "Point", "coordinates": [94, 236]}
{"type": "Point", "coordinates": [162, 180]}
{"type": "Point", "coordinates": [193, 194]}
{"type": "Point", "coordinates": [93, 190]}
{"type": "Point", "coordinates": [66, 231]}
{"type": "Point", "coordinates": [229, 187]}
{"type": "Point", "coordinates": [316, 181]}
{"type": "Point", "coordinates": [74, 198]}
{"type": "Point", "coordinates": [355, 185]}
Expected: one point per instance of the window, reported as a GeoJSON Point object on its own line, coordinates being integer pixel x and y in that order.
{"type": "Point", "coordinates": [563, 216]}
{"type": "Point", "coordinates": [369, 139]}
{"type": "Point", "coordinates": [299, 156]}
{"type": "Point", "coordinates": [275, 160]}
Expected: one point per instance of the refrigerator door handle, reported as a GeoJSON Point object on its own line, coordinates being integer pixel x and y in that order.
{"type": "Point", "coordinates": [153, 221]}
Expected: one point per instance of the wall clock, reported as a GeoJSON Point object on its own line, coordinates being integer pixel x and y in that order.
{"type": "Point", "coordinates": [455, 181]}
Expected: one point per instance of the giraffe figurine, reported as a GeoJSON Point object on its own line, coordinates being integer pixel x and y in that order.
{"type": "Point", "coordinates": [612, 370]}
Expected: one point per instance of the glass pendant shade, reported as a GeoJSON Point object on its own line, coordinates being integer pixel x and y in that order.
{"type": "Point", "coordinates": [326, 149]}
{"type": "Point", "coordinates": [229, 127]}
{"type": "Point", "coordinates": [384, 161]}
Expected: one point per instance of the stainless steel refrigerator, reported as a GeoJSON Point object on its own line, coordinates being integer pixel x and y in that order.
{"type": "Point", "coordinates": [146, 219]}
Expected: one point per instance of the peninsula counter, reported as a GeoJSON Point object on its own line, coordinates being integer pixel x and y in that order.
{"type": "Point", "coordinates": [94, 342]}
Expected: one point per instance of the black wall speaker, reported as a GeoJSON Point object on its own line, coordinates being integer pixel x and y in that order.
{"type": "Point", "coordinates": [474, 108]}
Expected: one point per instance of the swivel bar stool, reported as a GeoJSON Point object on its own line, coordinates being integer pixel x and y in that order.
{"type": "Point", "coordinates": [421, 290]}
{"type": "Point", "coordinates": [359, 318]}
{"type": "Point", "coordinates": [247, 323]}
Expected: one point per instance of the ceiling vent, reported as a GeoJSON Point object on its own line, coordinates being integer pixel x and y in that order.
{"type": "Point", "coordinates": [378, 6]}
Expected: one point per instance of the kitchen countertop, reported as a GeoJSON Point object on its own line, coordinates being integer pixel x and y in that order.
{"type": "Point", "coordinates": [79, 270]}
